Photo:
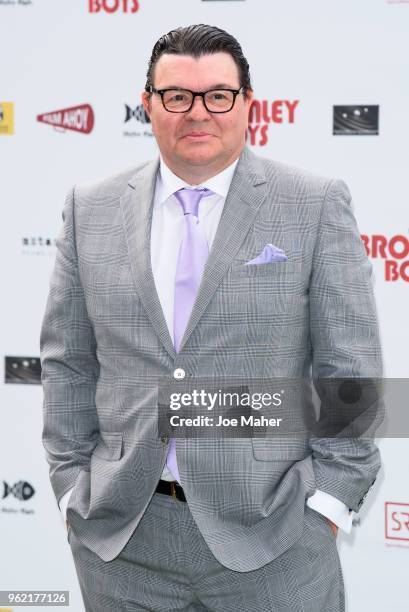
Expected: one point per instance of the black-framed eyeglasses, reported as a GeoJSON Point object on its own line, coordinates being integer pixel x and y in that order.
{"type": "Point", "coordinates": [178, 100]}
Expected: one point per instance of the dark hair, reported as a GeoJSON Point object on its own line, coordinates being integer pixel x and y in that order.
{"type": "Point", "coordinates": [197, 40]}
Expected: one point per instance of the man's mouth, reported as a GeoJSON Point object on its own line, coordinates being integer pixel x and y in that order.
{"type": "Point", "coordinates": [198, 135]}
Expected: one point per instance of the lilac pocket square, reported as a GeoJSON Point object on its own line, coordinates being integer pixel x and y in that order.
{"type": "Point", "coordinates": [269, 254]}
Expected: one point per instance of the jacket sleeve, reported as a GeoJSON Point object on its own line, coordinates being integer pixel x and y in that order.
{"type": "Point", "coordinates": [69, 366]}
{"type": "Point", "coordinates": [345, 343]}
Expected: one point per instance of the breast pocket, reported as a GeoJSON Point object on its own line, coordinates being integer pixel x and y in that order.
{"type": "Point", "coordinates": [273, 269]}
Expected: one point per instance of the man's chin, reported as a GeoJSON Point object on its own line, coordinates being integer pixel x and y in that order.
{"type": "Point", "coordinates": [199, 155]}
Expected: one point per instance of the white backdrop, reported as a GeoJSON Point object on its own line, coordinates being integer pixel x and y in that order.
{"type": "Point", "coordinates": [56, 54]}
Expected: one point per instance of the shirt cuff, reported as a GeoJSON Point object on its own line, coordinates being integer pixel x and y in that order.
{"type": "Point", "coordinates": [332, 508]}
{"type": "Point", "coordinates": [63, 503]}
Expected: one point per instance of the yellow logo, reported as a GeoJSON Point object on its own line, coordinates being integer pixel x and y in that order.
{"type": "Point", "coordinates": [6, 122]}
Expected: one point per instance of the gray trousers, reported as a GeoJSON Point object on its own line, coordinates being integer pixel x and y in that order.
{"type": "Point", "coordinates": [166, 565]}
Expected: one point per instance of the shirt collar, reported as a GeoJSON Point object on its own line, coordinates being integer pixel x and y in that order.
{"type": "Point", "coordinates": [168, 182]}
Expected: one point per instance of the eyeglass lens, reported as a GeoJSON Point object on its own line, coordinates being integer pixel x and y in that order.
{"type": "Point", "coordinates": [215, 100]}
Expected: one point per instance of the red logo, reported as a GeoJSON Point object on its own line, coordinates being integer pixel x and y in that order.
{"type": "Point", "coordinates": [393, 251]}
{"type": "Point", "coordinates": [112, 6]}
{"type": "Point", "coordinates": [77, 118]}
{"type": "Point", "coordinates": [396, 521]}
{"type": "Point", "coordinates": [263, 112]}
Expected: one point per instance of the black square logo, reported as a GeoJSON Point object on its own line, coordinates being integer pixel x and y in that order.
{"type": "Point", "coordinates": [356, 120]}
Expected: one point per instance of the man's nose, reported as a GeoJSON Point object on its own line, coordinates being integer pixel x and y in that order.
{"type": "Point", "coordinates": [198, 110]}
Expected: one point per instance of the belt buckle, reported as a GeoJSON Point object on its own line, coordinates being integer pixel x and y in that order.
{"type": "Point", "coordinates": [173, 490]}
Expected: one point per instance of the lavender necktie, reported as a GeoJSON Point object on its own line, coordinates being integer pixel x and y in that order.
{"type": "Point", "coordinates": [193, 255]}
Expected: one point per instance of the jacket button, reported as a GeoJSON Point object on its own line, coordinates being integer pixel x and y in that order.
{"type": "Point", "coordinates": [179, 373]}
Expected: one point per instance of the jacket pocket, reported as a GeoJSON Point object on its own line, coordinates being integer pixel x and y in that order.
{"type": "Point", "coordinates": [275, 268]}
{"type": "Point", "coordinates": [109, 446]}
{"type": "Point", "coordinates": [280, 449]}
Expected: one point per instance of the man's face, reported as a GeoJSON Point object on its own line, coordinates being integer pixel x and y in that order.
{"type": "Point", "coordinates": [198, 139]}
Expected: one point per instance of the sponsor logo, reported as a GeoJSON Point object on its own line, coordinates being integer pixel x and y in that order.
{"type": "Point", "coordinates": [264, 113]}
{"type": "Point", "coordinates": [23, 370]}
{"type": "Point", "coordinates": [38, 245]}
{"type": "Point", "coordinates": [356, 121]}
{"type": "Point", "coordinates": [6, 118]}
{"type": "Point", "coordinates": [394, 251]}
{"type": "Point", "coordinates": [138, 115]}
{"type": "Point", "coordinates": [113, 6]}
{"type": "Point", "coordinates": [76, 118]}
{"type": "Point", "coordinates": [397, 521]}
{"type": "Point", "coordinates": [21, 490]}
{"type": "Point", "coordinates": [16, 3]}
{"type": "Point", "coordinates": [14, 495]}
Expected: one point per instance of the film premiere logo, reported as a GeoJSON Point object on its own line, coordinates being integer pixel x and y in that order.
{"type": "Point", "coordinates": [6, 118]}
{"type": "Point", "coordinates": [113, 6]}
{"type": "Point", "coordinates": [139, 115]}
{"type": "Point", "coordinates": [356, 120]}
{"type": "Point", "coordinates": [394, 251]}
{"type": "Point", "coordinates": [16, 2]}
{"type": "Point", "coordinates": [38, 245]}
{"type": "Point", "coordinates": [79, 119]}
{"type": "Point", "coordinates": [22, 370]}
{"type": "Point", "coordinates": [397, 521]}
{"type": "Point", "coordinates": [16, 495]}
{"type": "Point", "coordinates": [263, 113]}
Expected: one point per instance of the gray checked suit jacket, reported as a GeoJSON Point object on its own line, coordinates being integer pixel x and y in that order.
{"type": "Point", "coordinates": [105, 345]}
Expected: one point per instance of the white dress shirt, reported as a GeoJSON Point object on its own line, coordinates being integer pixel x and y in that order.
{"type": "Point", "coordinates": [166, 236]}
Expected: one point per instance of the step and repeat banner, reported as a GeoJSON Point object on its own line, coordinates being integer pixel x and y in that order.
{"type": "Point", "coordinates": [331, 95]}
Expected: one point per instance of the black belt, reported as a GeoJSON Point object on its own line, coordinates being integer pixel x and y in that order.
{"type": "Point", "coordinates": [171, 488]}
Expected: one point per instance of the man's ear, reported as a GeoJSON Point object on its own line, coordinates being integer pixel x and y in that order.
{"type": "Point", "coordinates": [146, 101]}
{"type": "Point", "coordinates": [248, 101]}
{"type": "Point", "coordinates": [249, 96]}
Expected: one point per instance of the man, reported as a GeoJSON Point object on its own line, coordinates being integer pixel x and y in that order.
{"type": "Point", "coordinates": [208, 262]}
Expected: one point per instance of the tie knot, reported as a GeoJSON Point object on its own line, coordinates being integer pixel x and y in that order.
{"type": "Point", "coordinates": [190, 198]}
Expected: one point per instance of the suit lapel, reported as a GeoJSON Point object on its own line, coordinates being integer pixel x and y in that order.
{"type": "Point", "coordinates": [136, 206]}
{"type": "Point", "coordinates": [246, 194]}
